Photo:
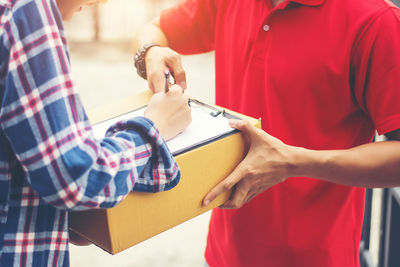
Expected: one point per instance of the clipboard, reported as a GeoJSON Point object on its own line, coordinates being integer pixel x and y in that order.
{"type": "Point", "coordinates": [208, 124]}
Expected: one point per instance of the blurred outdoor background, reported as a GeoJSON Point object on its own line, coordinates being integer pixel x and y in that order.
{"type": "Point", "coordinates": [102, 64]}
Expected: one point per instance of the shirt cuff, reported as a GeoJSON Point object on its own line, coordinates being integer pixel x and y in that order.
{"type": "Point", "coordinates": [161, 172]}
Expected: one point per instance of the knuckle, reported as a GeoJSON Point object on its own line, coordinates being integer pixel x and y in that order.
{"type": "Point", "coordinates": [152, 75]}
{"type": "Point", "coordinates": [180, 73]}
{"type": "Point", "coordinates": [151, 86]}
{"type": "Point", "coordinates": [171, 58]}
{"type": "Point", "coordinates": [236, 204]}
{"type": "Point", "coordinates": [175, 54]}
{"type": "Point", "coordinates": [248, 171]}
{"type": "Point", "coordinates": [246, 122]}
{"type": "Point", "coordinates": [227, 185]}
{"type": "Point", "coordinates": [227, 205]}
{"type": "Point", "coordinates": [252, 173]}
{"type": "Point", "coordinates": [175, 88]}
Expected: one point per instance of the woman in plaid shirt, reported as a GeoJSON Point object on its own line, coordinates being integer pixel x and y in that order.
{"type": "Point", "coordinates": [50, 162]}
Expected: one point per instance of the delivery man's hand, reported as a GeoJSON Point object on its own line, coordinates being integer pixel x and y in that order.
{"type": "Point", "coordinates": [169, 111]}
{"type": "Point", "coordinates": [158, 59]}
{"type": "Point", "coordinates": [264, 166]}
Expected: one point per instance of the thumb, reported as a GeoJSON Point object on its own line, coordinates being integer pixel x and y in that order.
{"type": "Point", "coordinates": [243, 125]}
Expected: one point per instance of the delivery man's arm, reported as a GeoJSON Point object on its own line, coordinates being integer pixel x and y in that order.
{"type": "Point", "coordinates": [269, 161]}
{"type": "Point", "coordinates": [160, 57]}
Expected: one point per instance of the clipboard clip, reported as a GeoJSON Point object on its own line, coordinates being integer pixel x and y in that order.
{"type": "Point", "coordinates": [217, 113]}
{"type": "Point", "coordinates": [214, 112]}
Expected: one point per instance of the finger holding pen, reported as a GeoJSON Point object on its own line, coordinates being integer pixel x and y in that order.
{"type": "Point", "coordinates": [167, 82]}
{"type": "Point", "coordinates": [175, 65]}
{"type": "Point", "coordinates": [158, 59]}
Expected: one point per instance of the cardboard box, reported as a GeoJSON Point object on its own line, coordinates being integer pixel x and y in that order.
{"type": "Point", "coordinates": [143, 215]}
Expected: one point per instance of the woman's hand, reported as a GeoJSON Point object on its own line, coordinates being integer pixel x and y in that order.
{"type": "Point", "coordinates": [169, 111]}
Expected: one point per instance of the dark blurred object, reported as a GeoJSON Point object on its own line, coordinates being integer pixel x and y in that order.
{"type": "Point", "coordinates": [78, 240]}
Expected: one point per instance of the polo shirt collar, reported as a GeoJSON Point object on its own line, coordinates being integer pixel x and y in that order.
{"type": "Point", "coordinates": [309, 2]}
{"type": "Point", "coordinates": [305, 2]}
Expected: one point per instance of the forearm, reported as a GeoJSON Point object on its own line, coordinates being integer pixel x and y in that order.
{"type": "Point", "coordinates": [157, 59]}
{"type": "Point", "coordinates": [100, 173]}
{"type": "Point", "coordinates": [150, 33]}
{"type": "Point", "coordinates": [269, 161]}
{"type": "Point", "coordinates": [369, 165]}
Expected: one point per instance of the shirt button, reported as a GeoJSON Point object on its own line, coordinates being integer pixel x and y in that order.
{"type": "Point", "coordinates": [266, 27]}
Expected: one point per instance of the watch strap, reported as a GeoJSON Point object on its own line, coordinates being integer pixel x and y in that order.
{"type": "Point", "coordinates": [139, 60]}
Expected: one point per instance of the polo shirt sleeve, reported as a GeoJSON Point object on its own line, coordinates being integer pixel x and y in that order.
{"type": "Point", "coordinates": [376, 71]}
{"type": "Point", "coordinates": [190, 26]}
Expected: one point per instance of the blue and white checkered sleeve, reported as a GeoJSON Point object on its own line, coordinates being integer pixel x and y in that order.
{"type": "Point", "coordinates": [47, 127]}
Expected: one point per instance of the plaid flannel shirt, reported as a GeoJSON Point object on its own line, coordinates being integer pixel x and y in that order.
{"type": "Point", "coordinates": [49, 160]}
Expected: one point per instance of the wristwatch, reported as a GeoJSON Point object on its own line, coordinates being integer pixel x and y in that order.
{"type": "Point", "coordinates": [140, 63]}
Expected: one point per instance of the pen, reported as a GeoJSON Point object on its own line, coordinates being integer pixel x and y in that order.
{"type": "Point", "coordinates": [166, 75]}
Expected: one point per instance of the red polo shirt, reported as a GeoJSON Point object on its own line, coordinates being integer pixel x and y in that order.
{"type": "Point", "coordinates": [322, 74]}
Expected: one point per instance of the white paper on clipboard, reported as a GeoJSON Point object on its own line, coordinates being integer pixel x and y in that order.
{"type": "Point", "coordinates": [208, 124]}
